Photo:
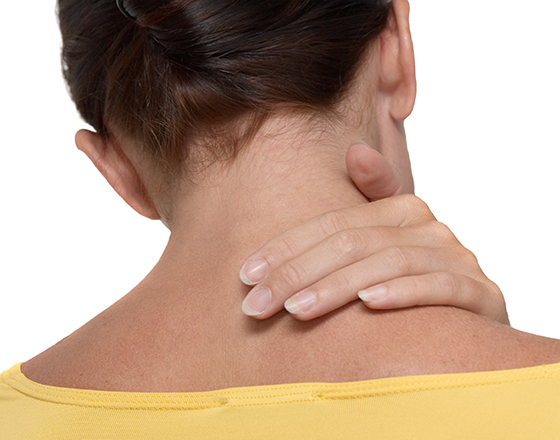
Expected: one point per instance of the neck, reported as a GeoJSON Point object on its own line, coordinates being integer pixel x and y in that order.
{"type": "Point", "coordinates": [234, 209]}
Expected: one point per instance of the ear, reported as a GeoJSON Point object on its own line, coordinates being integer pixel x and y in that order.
{"type": "Point", "coordinates": [118, 170]}
{"type": "Point", "coordinates": [397, 71]}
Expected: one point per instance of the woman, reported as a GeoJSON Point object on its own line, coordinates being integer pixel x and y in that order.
{"type": "Point", "coordinates": [484, 223]}
{"type": "Point", "coordinates": [117, 341]}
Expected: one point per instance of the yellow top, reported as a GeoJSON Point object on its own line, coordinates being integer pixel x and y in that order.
{"type": "Point", "coordinates": [512, 404]}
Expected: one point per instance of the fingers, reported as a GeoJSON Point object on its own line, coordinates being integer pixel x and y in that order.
{"type": "Point", "coordinates": [324, 289]}
{"type": "Point", "coordinates": [372, 174]}
{"type": "Point", "coordinates": [438, 288]}
{"type": "Point", "coordinates": [403, 210]}
{"type": "Point", "coordinates": [334, 252]}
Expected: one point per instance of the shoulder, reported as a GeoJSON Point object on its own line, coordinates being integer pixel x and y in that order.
{"type": "Point", "coordinates": [352, 344]}
{"type": "Point", "coordinates": [440, 340]}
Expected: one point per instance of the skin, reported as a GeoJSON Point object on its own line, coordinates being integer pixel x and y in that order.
{"type": "Point", "coordinates": [181, 328]}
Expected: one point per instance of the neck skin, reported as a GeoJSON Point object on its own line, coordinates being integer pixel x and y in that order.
{"type": "Point", "coordinates": [288, 174]}
{"type": "Point", "coordinates": [275, 184]}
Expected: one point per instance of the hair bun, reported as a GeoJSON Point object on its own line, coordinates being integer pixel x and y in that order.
{"type": "Point", "coordinates": [176, 74]}
{"type": "Point", "coordinates": [124, 11]}
{"type": "Point", "coordinates": [165, 21]}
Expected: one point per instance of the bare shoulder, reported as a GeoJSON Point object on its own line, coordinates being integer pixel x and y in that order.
{"type": "Point", "coordinates": [441, 340]}
{"type": "Point", "coordinates": [516, 346]}
{"type": "Point", "coordinates": [353, 344]}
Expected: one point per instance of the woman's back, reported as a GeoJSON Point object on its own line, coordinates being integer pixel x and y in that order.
{"type": "Point", "coordinates": [150, 348]}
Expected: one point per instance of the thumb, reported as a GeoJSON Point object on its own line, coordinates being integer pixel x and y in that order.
{"type": "Point", "coordinates": [374, 176]}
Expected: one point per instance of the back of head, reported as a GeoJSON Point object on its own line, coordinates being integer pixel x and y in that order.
{"type": "Point", "coordinates": [174, 74]}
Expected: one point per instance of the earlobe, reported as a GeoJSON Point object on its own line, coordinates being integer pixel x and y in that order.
{"type": "Point", "coordinates": [397, 82]}
{"type": "Point", "coordinates": [118, 170]}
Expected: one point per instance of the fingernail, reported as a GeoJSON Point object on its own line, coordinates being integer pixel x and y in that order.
{"type": "Point", "coordinates": [375, 293]}
{"type": "Point", "coordinates": [255, 303]}
{"type": "Point", "coordinates": [359, 142]}
{"type": "Point", "coordinates": [301, 302]}
{"type": "Point", "coordinates": [253, 272]}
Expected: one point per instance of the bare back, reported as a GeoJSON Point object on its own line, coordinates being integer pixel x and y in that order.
{"type": "Point", "coordinates": [142, 351]}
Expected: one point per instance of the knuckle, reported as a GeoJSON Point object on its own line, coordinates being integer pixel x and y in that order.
{"type": "Point", "coordinates": [442, 230]}
{"type": "Point", "coordinates": [491, 302]}
{"type": "Point", "coordinates": [396, 258]}
{"type": "Point", "coordinates": [464, 262]}
{"type": "Point", "coordinates": [331, 223]}
{"type": "Point", "coordinates": [415, 202]}
{"type": "Point", "coordinates": [291, 276]}
{"type": "Point", "coordinates": [495, 294]}
{"type": "Point", "coordinates": [415, 294]}
{"type": "Point", "coordinates": [449, 283]}
{"type": "Point", "coordinates": [469, 257]}
{"type": "Point", "coordinates": [337, 287]}
{"type": "Point", "coordinates": [348, 242]}
{"type": "Point", "coordinates": [417, 208]}
{"type": "Point", "coordinates": [496, 291]}
{"type": "Point", "coordinates": [282, 249]}
{"type": "Point", "coordinates": [441, 233]}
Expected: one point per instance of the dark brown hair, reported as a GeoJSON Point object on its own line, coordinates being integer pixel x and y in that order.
{"type": "Point", "coordinates": [179, 71]}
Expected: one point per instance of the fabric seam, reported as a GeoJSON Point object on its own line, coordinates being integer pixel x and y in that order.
{"type": "Point", "coordinates": [316, 394]}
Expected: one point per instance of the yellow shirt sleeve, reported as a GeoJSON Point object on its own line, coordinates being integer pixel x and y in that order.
{"type": "Point", "coordinates": [512, 404]}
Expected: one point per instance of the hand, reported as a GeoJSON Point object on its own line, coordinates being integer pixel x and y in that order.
{"type": "Point", "coordinates": [394, 248]}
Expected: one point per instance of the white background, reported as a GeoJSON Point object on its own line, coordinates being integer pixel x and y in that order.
{"type": "Point", "coordinates": [483, 141]}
